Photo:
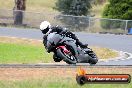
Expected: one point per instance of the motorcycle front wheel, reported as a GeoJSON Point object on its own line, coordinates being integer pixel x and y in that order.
{"type": "Point", "coordinates": [68, 58]}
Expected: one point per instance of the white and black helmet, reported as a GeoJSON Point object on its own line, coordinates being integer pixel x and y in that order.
{"type": "Point", "coordinates": [45, 26]}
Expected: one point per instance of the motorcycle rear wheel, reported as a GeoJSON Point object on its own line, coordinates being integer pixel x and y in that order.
{"type": "Point", "coordinates": [93, 59]}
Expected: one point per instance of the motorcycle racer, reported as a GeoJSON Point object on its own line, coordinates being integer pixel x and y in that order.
{"type": "Point", "coordinates": [46, 28]}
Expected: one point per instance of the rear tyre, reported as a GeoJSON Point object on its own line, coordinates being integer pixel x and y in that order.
{"type": "Point", "coordinates": [93, 59]}
{"type": "Point", "coordinates": [68, 58]}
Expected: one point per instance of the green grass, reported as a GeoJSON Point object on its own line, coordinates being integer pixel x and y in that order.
{"type": "Point", "coordinates": [16, 50]}
{"type": "Point", "coordinates": [56, 83]}
{"type": "Point", "coordinates": [22, 53]}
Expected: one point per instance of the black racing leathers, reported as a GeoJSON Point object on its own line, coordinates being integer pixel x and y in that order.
{"type": "Point", "coordinates": [67, 33]}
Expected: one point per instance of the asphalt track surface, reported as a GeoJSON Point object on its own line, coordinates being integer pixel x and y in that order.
{"type": "Point", "coordinates": [60, 65]}
{"type": "Point", "coordinates": [117, 42]}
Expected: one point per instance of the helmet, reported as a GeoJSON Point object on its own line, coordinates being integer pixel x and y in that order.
{"type": "Point", "coordinates": [44, 25]}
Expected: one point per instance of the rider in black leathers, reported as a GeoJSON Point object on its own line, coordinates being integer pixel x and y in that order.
{"type": "Point", "coordinates": [46, 28]}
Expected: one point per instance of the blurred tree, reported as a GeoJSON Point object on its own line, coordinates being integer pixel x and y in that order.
{"type": "Point", "coordinates": [76, 8]}
{"type": "Point", "coordinates": [117, 9]}
{"type": "Point", "coordinates": [18, 11]}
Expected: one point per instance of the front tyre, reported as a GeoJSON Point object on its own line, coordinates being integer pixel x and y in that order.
{"type": "Point", "coordinates": [67, 57]}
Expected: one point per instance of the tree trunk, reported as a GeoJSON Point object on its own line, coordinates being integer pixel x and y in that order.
{"type": "Point", "coordinates": [18, 11]}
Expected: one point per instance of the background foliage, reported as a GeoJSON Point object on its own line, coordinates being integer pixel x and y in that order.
{"type": "Point", "coordinates": [117, 9]}
{"type": "Point", "coordinates": [76, 8]}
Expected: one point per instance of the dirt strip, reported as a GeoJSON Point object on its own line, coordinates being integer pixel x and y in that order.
{"type": "Point", "coordinates": [38, 73]}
